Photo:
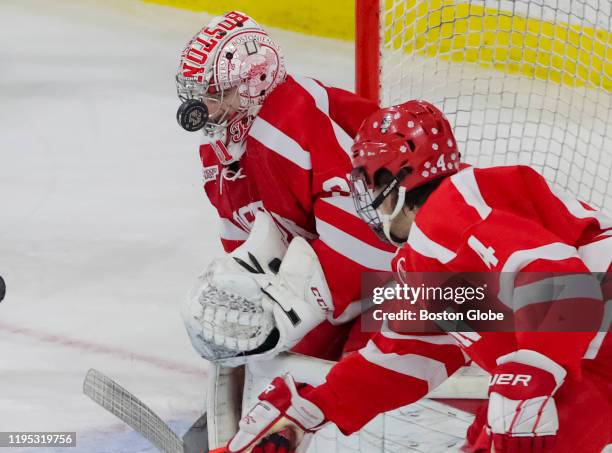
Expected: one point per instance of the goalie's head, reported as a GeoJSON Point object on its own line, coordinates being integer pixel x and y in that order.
{"type": "Point", "coordinates": [225, 72]}
{"type": "Point", "coordinates": [400, 155]}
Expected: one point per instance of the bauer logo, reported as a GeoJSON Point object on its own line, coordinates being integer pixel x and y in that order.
{"type": "Point", "coordinates": [210, 173]}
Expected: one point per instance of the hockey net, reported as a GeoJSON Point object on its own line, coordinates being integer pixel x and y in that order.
{"type": "Point", "coordinates": [429, 425]}
{"type": "Point", "coordinates": [521, 81]}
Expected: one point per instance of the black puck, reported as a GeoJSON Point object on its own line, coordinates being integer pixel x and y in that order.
{"type": "Point", "coordinates": [2, 289]}
{"type": "Point", "coordinates": [192, 115]}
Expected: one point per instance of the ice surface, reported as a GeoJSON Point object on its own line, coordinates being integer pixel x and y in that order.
{"type": "Point", "coordinates": [103, 223]}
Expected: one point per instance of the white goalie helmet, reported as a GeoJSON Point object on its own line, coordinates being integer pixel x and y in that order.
{"type": "Point", "coordinates": [226, 71]}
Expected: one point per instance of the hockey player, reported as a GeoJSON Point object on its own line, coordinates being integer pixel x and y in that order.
{"type": "Point", "coordinates": [550, 391]}
{"type": "Point", "coordinates": [277, 144]}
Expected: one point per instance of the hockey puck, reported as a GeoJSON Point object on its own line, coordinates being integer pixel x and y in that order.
{"type": "Point", "coordinates": [192, 115]}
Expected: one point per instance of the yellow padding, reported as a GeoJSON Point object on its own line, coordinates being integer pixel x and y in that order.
{"type": "Point", "coordinates": [329, 18]}
{"type": "Point", "coordinates": [560, 52]}
{"type": "Point", "coordinates": [564, 53]}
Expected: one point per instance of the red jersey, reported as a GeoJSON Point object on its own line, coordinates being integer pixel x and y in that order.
{"type": "Point", "coordinates": [503, 219]}
{"type": "Point", "coordinates": [295, 166]}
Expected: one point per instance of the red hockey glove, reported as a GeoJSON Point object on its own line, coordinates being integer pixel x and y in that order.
{"type": "Point", "coordinates": [280, 409]}
{"type": "Point", "coordinates": [522, 414]}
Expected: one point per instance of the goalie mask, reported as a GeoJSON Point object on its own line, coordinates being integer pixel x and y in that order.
{"type": "Point", "coordinates": [226, 72]}
{"type": "Point", "coordinates": [414, 143]}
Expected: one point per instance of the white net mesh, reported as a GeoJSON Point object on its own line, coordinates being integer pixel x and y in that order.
{"type": "Point", "coordinates": [521, 81]}
{"type": "Point", "coordinates": [426, 426]}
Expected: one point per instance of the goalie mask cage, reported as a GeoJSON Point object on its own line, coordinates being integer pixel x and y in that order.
{"type": "Point", "coordinates": [521, 81]}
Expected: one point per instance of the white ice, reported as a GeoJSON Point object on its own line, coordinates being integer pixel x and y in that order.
{"type": "Point", "coordinates": [103, 220]}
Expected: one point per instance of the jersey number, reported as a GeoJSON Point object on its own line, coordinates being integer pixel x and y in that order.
{"type": "Point", "coordinates": [487, 254]}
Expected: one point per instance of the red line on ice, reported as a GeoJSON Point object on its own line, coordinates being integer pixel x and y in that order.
{"type": "Point", "coordinates": [102, 349]}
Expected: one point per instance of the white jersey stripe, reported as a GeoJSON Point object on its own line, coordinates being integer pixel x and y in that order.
{"type": "Point", "coordinates": [353, 248]}
{"type": "Point", "coordinates": [597, 341]}
{"type": "Point", "coordinates": [354, 309]}
{"type": "Point", "coordinates": [343, 203]}
{"type": "Point", "coordinates": [231, 232]}
{"type": "Point", "coordinates": [597, 255]}
{"type": "Point", "coordinates": [277, 141]}
{"type": "Point", "coordinates": [319, 94]}
{"type": "Point", "coordinates": [351, 311]}
{"type": "Point", "coordinates": [420, 243]}
{"type": "Point", "coordinates": [579, 211]}
{"type": "Point", "coordinates": [465, 183]}
{"type": "Point", "coordinates": [555, 251]}
{"type": "Point", "coordinates": [386, 332]}
{"type": "Point", "coordinates": [466, 339]}
{"type": "Point", "coordinates": [424, 368]}
{"type": "Point", "coordinates": [557, 288]}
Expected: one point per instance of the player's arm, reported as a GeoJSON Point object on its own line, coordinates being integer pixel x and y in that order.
{"type": "Point", "coordinates": [521, 231]}
{"type": "Point", "coordinates": [416, 364]}
{"type": "Point", "coordinates": [575, 222]}
{"type": "Point", "coordinates": [300, 153]}
{"type": "Point", "coordinates": [231, 235]}
{"type": "Point", "coordinates": [347, 249]}
{"type": "Point", "coordinates": [557, 306]}
{"type": "Point", "coordinates": [393, 370]}
{"type": "Point", "coordinates": [566, 305]}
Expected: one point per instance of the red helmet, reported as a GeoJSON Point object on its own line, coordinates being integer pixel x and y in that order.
{"type": "Point", "coordinates": [414, 142]}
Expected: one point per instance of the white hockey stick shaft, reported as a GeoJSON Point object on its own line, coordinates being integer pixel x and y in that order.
{"type": "Point", "coordinates": [123, 404]}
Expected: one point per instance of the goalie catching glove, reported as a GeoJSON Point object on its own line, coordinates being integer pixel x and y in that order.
{"type": "Point", "coordinates": [280, 409]}
{"type": "Point", "coordinates": [250, 305]}
{"type": "Point", "coordinates": [522, 415]}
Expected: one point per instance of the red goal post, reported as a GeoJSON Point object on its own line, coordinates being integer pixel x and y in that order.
{"type": "Point", "coordinates": [367, 49]}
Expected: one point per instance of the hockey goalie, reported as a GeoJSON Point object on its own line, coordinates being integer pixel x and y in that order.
{"type": "Point", "coordinates": [279, 144]}
{"type": "Point", "coordinates": [275, 157]}
{"type": "Point", "coordinates": [550, 391]}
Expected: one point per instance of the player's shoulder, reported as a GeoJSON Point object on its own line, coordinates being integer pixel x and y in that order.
{"type": "Point", "coordinates": [300, 95]}
{"type": "Point", "coordinates": [290, 96]}
{"type": "Point", "coordinates": [455, 208]}
{"type": "Point", "coordinates": [467, 201]}
{"type": "Point", "coordinates": [472, 193]}
{"type": "Point", "coordinates": [495, 179]}
{"type": "Point", "coordinates": [437, 227]}
{"type": "Point", "coordinates": [447, 198]}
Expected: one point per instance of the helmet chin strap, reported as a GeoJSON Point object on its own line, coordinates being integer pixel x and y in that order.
{"type": "Point", "coordinates": [388, 218]}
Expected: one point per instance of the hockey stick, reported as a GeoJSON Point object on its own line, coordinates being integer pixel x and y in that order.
{"type": "Point", "coordinates": [123, 404]}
